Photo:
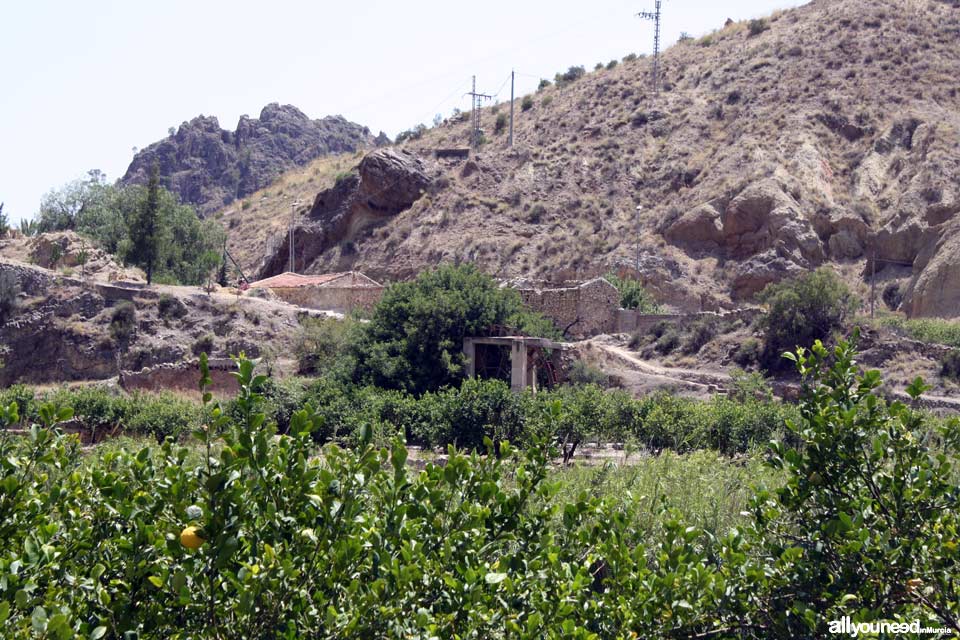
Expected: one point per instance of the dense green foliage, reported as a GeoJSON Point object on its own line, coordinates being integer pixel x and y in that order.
{"type": "Point", "coordinates": [862, 522]}
{"type": "Point", "coordinates": [101, 412]}
{"type": "Point", "coordinates": [186, 248]}
{"type": "Point", "coordinates": [414, 339]}
{"type": "Point", "coordinates": [144, 228]}
{"type": "Point", "coordinates": [633, 295]}
{"type": "Point", "coordinates": [810, 307]}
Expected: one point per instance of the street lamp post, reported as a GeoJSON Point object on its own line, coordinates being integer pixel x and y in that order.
{"type": "Point", "coordinates": [637, 234]}
{"type": "Point", "coordinates": [293, 214]}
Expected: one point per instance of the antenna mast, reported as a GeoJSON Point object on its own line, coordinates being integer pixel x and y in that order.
{"type": "Point", "coordinates": [655, 16]}
{"type": "Point", "coordinates": [476, 100]}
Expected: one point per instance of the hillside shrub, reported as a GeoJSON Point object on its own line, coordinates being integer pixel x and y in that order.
{"type": "Point", "coordinates": [950, 365]}
{"type": "Point", "coordinates": [544, 83]}
{"type": "Point", "coordinates": [322, 343]}
{"type": "Point", "coordinates": [699, 334]}
{"type": "Point", "coordinates": [527, 103]}
{"type": "Point", "coordinates": [668, 342]}
{"type": "Point", "coordinates": [936, 330]}
{"type": "Point", "coordinates": [414, 338]}
{"type": "Point", "coordinates": [123, 324]}
{"type": "Point", "coordinates": [581, 372]}
{"type": "Point", "coordinates": [757, 26]}
{"type": "Point", "coordinates": [500, 125]}
{"type": "Point", "coordinates": [612, 64]}
{"type": "Point", "coordinates": [9, 295]}
{"type": "Point", "coordinates": [170, 308]}
{"type": "Point", "coordinates": [799, 311]}
{"type": "Point", "coordinates": [569, 76]}
{"type": "Point", "coordinates": [203, 344]}
{"type": "Point", "coordinates": [748, 353]}
{"type": "Point", "coordinates": [633, 295]}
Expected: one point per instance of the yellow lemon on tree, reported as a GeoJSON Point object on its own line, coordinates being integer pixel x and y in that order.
{"type": "Point", "coordinates": [190, 538]}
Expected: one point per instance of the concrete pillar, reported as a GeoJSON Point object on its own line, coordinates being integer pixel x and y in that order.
{"type": "Point", "coordinates": [470, 350]}
{"type": "Point", "coordinates": [518, 366]}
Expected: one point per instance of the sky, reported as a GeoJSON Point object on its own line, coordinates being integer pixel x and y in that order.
{"type": "Point", "coordinates": [83, 83]}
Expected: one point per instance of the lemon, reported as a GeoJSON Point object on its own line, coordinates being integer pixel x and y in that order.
{"type": "Point", "coordinates": [190, 538]}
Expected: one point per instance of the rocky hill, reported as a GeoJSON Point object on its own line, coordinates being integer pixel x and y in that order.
{"type": "Point", "coordinates": [824, 134]}
{"type": "Point", "coordinates": [209, 166]}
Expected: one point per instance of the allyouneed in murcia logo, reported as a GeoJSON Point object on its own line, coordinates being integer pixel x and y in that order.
{"type": "Point", "coordinates": [846, 626]}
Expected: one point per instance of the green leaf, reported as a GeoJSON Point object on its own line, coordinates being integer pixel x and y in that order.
{"type": "Point", "coordinates": [495, 578]}
{"type": "Point", "coordinates": [155, 581]}
{"type": "Point", "coordinates": [98, 633]}
{"type": "Point", "coordinates": [4, 611]}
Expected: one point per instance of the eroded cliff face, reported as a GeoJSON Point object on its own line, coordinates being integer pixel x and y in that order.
{"type": "Point", "coordinates": [208, 166]}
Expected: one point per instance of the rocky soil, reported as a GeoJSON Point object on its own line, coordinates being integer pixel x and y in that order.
{"type": "Point", "coordinates": [60, 330]}
{"type": "Point", "coordinates": [208, 166]}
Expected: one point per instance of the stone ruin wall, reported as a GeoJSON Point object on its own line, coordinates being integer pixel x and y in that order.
{"type": "Point", "coordinates": [183, 376]}
{"type": "Point", "coordinates": [584, 310]}
{"type": "Point", "coordinates": [341, 299]}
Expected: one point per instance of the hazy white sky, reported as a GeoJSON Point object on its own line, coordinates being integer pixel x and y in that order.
{"type": "Point", "coordinates": [83, 82]}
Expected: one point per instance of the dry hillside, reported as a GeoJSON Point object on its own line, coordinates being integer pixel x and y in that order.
{"type": "Point", "coordinates": [825, 134]}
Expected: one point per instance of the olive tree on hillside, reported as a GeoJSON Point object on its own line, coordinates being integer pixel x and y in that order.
{"type": "Point", "coordinates": [415, 337]}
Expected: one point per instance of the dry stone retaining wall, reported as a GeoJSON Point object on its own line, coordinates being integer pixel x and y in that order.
{"type": "Point", "coordinates": [583, 310]}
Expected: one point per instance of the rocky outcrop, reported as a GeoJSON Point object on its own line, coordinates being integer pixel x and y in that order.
{"type": "Point", "coordinates": [386, 183]}
{"type": "Point", "coordinates": [208, 166]}
{"type": "Point", "coordinates": [697, 228]}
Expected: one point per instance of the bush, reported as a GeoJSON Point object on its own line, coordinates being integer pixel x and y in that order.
{"type": "Point", "coordinates": [526, 104]}
{"type": "Point", "coordinates": [544, 83]}
{"type": "Point", "coordinates": [756, 27]}
{"type": "Point", "coordinates": [633, 295]}
{"type": "Point", "coordinates": [203, 344]}
{"type": "Point", "coordinates": [700, 334]}
{"type": "Point", "coordinates": [748, 353]}
{"type": "Point", "coordinates": [668, 342]}
{"type": "Point", "coordinates": [170, 307]}
{"type": "Point", "coordinates": [123, 324]}
{"type": "Point", "coordinates": [612, 64]}
{"type": "Point", "coordinates": [501, 123]}
{"type": "Point", "coordinates": [802, 310]}
{"type": "Point", "coordinates": [322, 343]}
{"type": "Point", "coordinates": [950, 365]}
{"type": "Point", "coordinates": [9, 295]}
{"type": "Point", "coordinates": [581, 373]}
{"type": "Point", "coordinates": [414, 339]}
{"type": "Point", "coordinates": [935, 330]}
{"type": "Point", "coordinates": [630, 57]}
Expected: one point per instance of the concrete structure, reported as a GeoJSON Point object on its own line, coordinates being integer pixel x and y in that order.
{"type": "Point", "coordinates": [341, 292]}
{"type": "Point", "coordinates": [582, 310]}
{"type": "Point", "coordinates": [525, 356]}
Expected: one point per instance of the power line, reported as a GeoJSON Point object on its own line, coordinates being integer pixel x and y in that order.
{"type": "Point", "coordinates": [476, 100]}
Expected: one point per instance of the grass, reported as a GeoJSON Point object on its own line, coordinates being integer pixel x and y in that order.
{"type": "Point", "coordinates": [937, 330]}
{"type": "Point", "coordinates": [708, 489]}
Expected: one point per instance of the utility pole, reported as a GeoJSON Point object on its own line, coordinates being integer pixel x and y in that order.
{"type": "Point", "coordinates": [655, 16]}
{"type": "Point", "coordinates": [873, 284]}
{"type": "Point", "coordinates": [293, 214]}
{"type": "Point", "coordinates": [476, 99]}
{"type": "Point", "coordinates": [512, 74]}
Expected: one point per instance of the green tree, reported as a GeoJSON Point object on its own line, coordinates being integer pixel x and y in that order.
{"type": "Point", "coordinates": [4, 222]}
{"type": "Point", "coordinates": [802, 310]}
{"type": "Point", "coordinates": [145, 228]}
{"type": "Point", "coordinates": [415, 336]}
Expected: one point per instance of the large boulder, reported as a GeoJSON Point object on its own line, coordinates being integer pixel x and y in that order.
{"type": "Point", "coordinates": [762, 217]}
{"type": "Point", "coordinates": [386, 183]}
{"type": "Point", "coordinates": [935, 291]}
{"type": "Point", "coordinates": [697, 228]}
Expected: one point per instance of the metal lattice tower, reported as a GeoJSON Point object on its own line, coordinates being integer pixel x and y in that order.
{"type": "Point", "coordinates": [476, 100]}
{"type": "Point", "coordinates": [655, 16]}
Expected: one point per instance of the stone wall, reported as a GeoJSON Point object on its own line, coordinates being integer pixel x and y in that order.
{"type": "Point", "coordinates": [334, 298]}
{"type": "Point", "coordinates": [584, 310]}
{"type": "Point", "coordinates": [629, 321]}
{"type": "Point", "coordinates": [183, 376]}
